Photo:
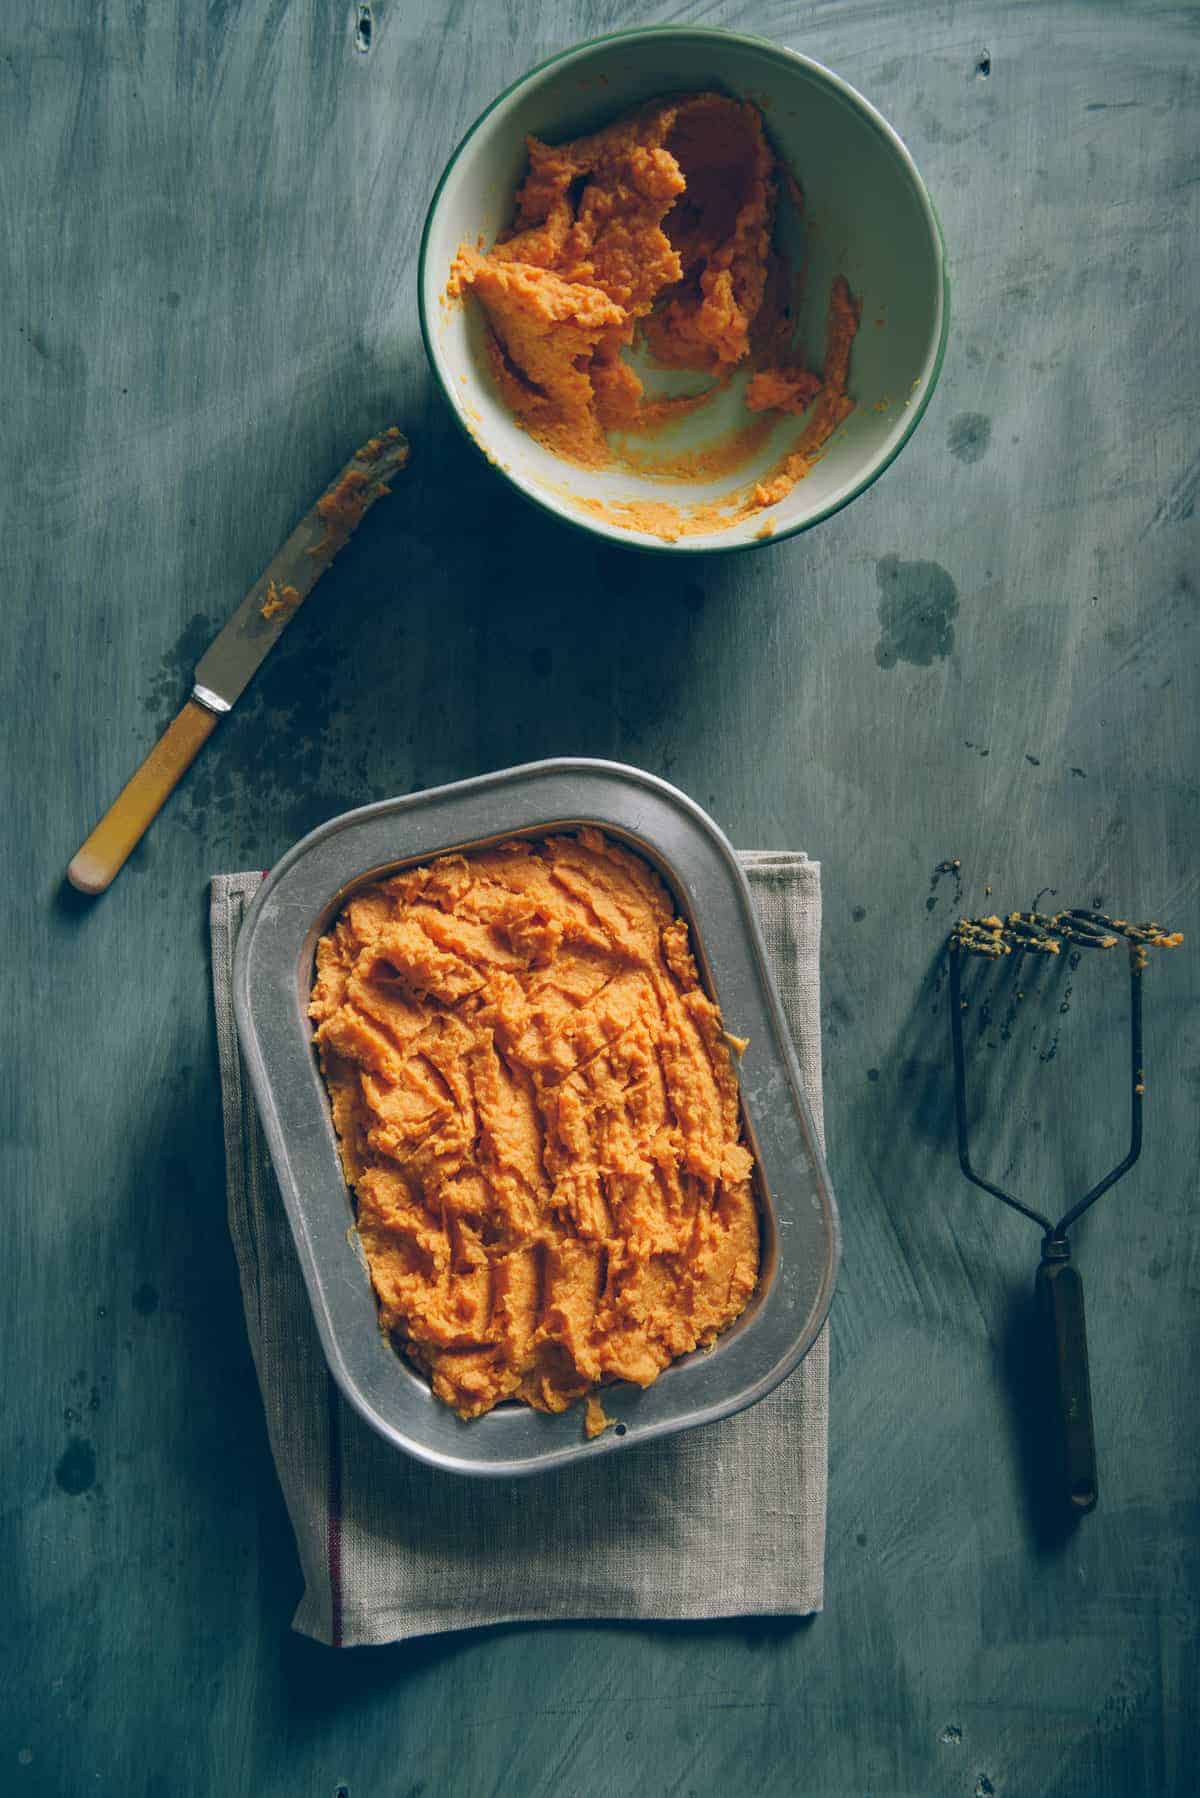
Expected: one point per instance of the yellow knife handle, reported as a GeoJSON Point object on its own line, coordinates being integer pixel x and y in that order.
{"type": "Point", "coordinates": [125, 822]}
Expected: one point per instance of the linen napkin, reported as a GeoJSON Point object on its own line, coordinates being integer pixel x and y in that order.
{"type": "Point", "coordinates": [723, 1521]}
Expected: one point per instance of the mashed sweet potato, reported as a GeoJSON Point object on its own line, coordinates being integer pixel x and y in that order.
{"type": "Point", "coordinates": [537, 1112]}
{"type": "Point", "coordinates": [658, 229]}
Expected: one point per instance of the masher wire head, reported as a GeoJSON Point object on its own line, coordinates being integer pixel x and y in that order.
{"type": "Point", "coordinates": [1045, 933]}
{"type": "Point", "coordinates": [1041, 933]}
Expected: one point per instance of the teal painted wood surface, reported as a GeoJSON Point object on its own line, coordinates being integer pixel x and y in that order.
{"type": "Point", "coordinates": [210, 221]}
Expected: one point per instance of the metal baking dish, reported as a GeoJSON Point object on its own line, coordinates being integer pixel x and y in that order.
{"type": "Point", "coordinates": [272, 976]}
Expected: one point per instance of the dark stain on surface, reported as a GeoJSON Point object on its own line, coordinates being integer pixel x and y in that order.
{"type": "Point", "coordinates": [170, 686]}
{"type": "Point", "coordinates": [1033, 760]}
{"type": "Point", "coordinates": [277, 745]}
{"type": "Point", "coordinates": [951, 866]}
{"type": "Point", "coordinates": [145, 1299]}
{"type": "Point", "coordinates": [1079, 773]}
{"type": "Point", "coordinates": [969, 436]}
{"type": "Point", "coordinates": [938, 132]}
{"type": "Point", "coordinates": [76, 1470]}
{"type": "Point", "coordinates": [983, 68]}
{"type": "Point", "coordinates": [859, 913]}
{"type": "Point", "coordinates": [917, 606]}
{"type": "Point", "coordinates": [872, 1074]}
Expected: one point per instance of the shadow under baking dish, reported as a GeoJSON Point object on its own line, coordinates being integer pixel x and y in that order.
{"type": "Point", "coordinates": [272, 977]}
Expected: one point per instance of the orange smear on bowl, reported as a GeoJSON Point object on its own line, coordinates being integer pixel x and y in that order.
{"type": "Point", "coordinates": [658, 229]}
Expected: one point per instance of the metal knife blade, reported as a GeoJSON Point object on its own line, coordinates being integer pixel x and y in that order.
{"type": "Point", "coordinates": [223, 671]}
{"type": "Point", "coordinates": [235, 653]}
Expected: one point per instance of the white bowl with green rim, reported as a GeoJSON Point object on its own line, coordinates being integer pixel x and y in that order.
{"type": "Point", "coordinates": [867, 216]}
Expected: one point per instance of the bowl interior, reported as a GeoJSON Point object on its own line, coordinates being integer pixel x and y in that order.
{"type": "Point", "coordinates": [866, 216]}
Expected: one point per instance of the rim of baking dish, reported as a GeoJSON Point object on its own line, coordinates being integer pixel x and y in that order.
{"type": "Point", "coordinates": [266, 1087]}
{"type": "Point", "coordinates": [929, 378]}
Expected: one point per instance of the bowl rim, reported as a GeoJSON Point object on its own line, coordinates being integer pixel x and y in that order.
{"type": "Point", "coordinates": [613, 533]}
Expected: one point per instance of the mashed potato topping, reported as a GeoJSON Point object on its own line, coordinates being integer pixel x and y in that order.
{"type": "Point", "coordinates": [537, 1111]}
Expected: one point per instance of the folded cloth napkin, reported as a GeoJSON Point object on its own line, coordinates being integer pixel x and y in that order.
{"type": "Point", "coordinates": [724, 1521]}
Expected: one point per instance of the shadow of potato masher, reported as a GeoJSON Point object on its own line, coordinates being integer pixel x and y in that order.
{"type": "Point", "coordinates": [1043, 1354]}
{"type": "Point", "coordinates": [1036, 1066]}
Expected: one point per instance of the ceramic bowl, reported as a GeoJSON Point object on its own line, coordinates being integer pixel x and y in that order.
{"type": "Point", "coordinates": [867, 215]}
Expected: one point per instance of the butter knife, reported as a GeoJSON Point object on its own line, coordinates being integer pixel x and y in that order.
{"type": "Point", "coordinates": [231, 660]}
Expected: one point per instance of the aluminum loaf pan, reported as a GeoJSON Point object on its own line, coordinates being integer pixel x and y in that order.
{"type": "Point", "coordinates": [272, 977]}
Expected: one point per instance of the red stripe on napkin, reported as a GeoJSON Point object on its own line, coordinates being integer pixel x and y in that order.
{"type": "Point", "coordinates": [333, 1529]}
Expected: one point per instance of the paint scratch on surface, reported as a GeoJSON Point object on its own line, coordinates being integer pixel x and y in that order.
{"type": "Point", "coordinates": [1179, 504]}
{"type": "Point", "coordinates": [76, 1470]}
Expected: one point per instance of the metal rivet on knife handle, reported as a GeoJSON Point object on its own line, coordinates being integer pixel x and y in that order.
{"type": "Point", "coordinates": [229, 663]}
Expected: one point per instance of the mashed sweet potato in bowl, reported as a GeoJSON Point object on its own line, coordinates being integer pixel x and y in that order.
{"type": "Point", "coordinates": [684, 289]}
